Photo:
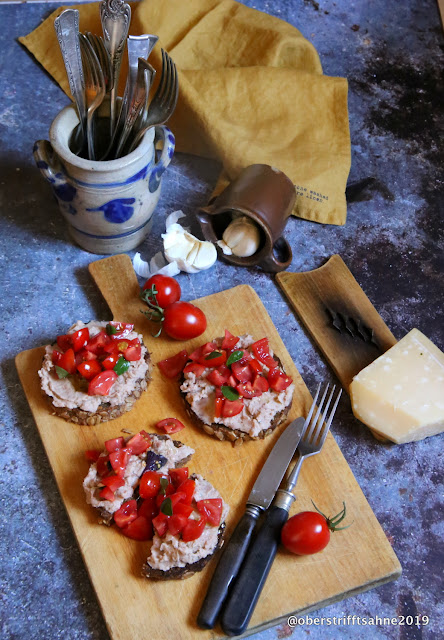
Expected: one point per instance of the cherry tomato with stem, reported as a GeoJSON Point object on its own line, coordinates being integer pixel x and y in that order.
{"type": "Point", "coordinates": [162, 290]}
{"type": "Point", "coordinates": [308, 532]}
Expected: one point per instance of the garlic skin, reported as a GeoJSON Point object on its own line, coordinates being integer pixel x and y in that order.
{"type": "Point", "coordinates": [241, 238]}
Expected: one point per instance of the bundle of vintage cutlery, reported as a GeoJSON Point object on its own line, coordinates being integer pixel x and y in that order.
{"type": "Point", "coordinates": [93, 64]}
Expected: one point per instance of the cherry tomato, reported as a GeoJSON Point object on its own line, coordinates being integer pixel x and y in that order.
{"type": "Point", "coordinates": [176, 523]}
{"type": "Point", "coordinates": [229, 341]}
{"type": "Point", "coordinates": [126, 513]}
{"type": "Point", "coordinates": [80, 339]}
{"type": "Point", "coordinates": [178, 475]}
{"type": "Point", "coordinates": [172, 366]}
{"type": "Point", "coordinates": [183, 321]}
{"type": "Point", "coordinates": [149, 484]}
{"type": "Point", "coordinates": [90, 369]}
{"type": "Point", "coordinates": [102, 383]}
{"type": "Point", "coordinates": [114, 444]}
{"type": "Point", "coordinates": [139, 443]}
{"type": "Point", "coordinates": [278, 380]}
{"type": "Point", "coordinates": [193, 529]}
{"type": "Point", "coordinates": [170, 425]}
{"type": "Point", "coordinates": [139, 529]}
{"type": "Point", "coordinates": [231, 408]}
{"type": "Point", "coordinates": [194, 367]}
{"type": "Point", "coordinates": [305, 533]}
{"type": "Point", "coordinates": [212, 509]}
{"type": "Point", "coordinates": [167, 289]}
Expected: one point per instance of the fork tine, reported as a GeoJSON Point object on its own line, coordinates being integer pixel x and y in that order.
{"type": "Point", "coordinates": [330, 419]}
{"type": "Point", "coordinates": [314, 422]}
{"type": "Point", "coordinates": [322, 417]}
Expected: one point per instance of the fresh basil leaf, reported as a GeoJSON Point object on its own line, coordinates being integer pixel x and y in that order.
{"type": "Point", "coordinates": [111, 329]}
{"type": "Point", "coordinates": [167, 507]}
{"type": "Point", "coordinates": [230, 392]}
{"type": "Point", "coordinates": [121, 366]}
{"type": "Point", "coordinates": [61, 373]}
{"type": "Point", "coordinates": [212, 355]}
{"type": "Point", "coordinates": [234, 357]}
{"type": "Point", "coordinates": [163, 485]}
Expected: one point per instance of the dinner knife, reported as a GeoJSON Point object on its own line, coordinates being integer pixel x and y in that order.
{"type": "Point", "coordinates": [263, 492]}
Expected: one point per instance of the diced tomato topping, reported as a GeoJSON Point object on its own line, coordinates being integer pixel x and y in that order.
{"type": "Point", "coordinates": [85, 356]}
{"type": "Point", "coordinates": [208, 348]}
{"type": "Point", "coordinates": [212, 509]}
{"type": "Point", "coordinates": [183, 509]}
{"type": "Point", "coordinates": [149, 484]}
{"type": "Point", "coordinates": [178, 476]}
{"type": "Point", "coordinates": [113, 482]}
{"type": "Point", "coordinates": [214, 359]}
{"type": "Point", "coordinates": [187, 487]}
{"type": "Point", "coordinates": [148, 508]}
{"type": "Point", "coordinates": [170, 425]}
{"type": "Point", "coordinates": [219, 377]}
{"type": "Point", "coordinates": [255, 365]}
{"type": "Point", "coordinates": [80, 339]}
{"type": "Point", "coordinates": [178, 496]}
{"type": "Point", "coordinates": [218, 405]}
{"type": "Point", "coordinates": [260, 383]}
{"type": "Point", "coordinates": [193, 529]}
{"type": "Point", "coordinates": [123, 329]}
{"type": "Point", "coordinates": [64, 342]}
{"type": "Point", "coordinates": [103, 467]}
{"type": "Point", "coordinates": [232, 408]}
{"type": "Point", "coordinates": [242, 371]}
{"type": "Point", "coordinates": [229, 341]}
{"type": "Point", "coordinates": [111, 348]}
{"type": "Point", "coordinates": [133, 353]}
{"type": "Point", "coordinates": [231, 382]}
{"type": "Point", "coordinates": [246, 390]}
{"type": "Point", "coordinates": [114, 444]}
{"type": "Point", "coordinates": [171, 367]}
{"type": "Point", "coordinates": [107, 494]}
{"type": "Point", "coordinates": [126, 513]}
{"type": "Point", "coordinates": [89, 369]}
{"type": "Point", "coordinates": [194, 367]}
{"type": "Point", "coordinates": [56, 356]}
{"type": "Point", "coordinates": [92, 455]}
{"type": "Point", "coordinates": [110, 361]}
{"type": "Point", "coordinates": [139, 529]}
{"type": "Point", "coordinates": [68, 361]}
{"type": "Point", "coordinates": [176, 523]}
{"type": "Point", "coordinates": [101, 384]}
{"type": "Point", "coordinates": [97, 343]}
{"type": "Point", "coordinates": [160, 523]}
{"type": "Point", "coordinates": [139, 443]}
{"type": "Point", "coordinates": [119, 460]}
{"type": "Point", "coordinates": [278, 380]}
{"type": "Point", "coordinates": [262, 352]}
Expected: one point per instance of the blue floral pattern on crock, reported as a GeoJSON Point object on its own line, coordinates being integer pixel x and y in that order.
{"type": "Point", "coordinates": [118, 210]}
{"type": "Point", "coordinates": [65, 192]}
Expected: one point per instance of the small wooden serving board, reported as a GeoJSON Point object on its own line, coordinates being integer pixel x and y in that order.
{"type": "Point", "coordinates": [357, 559]}
{"type": "Point", "coordinates": [332, 286]}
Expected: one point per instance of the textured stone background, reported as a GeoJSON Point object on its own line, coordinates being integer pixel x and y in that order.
{"type": "Point", "coordinates": [392, 55]}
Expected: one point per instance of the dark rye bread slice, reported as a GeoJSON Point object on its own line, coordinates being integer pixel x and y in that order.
{"type": "Point", "coordinates": [105, 517]}
{"type": "Point", "coordinates": [222, 432]}
{"type": "Point", "coordinates": [105, 410]}
{"type": "Point", "coordinates": [180, 573]}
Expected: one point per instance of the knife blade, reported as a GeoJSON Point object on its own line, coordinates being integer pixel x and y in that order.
{"type": "Point", "coordinates": [260, 498]}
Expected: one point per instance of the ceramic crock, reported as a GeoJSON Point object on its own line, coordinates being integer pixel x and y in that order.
{"type": "Point", "coordinates": [108, 205]}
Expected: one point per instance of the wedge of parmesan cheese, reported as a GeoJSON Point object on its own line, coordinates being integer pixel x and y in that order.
{"type": "Point", "coordinates": [401, 394]}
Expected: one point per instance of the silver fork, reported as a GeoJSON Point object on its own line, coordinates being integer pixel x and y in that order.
{"type": "Point", "coordinates": [257, 564]}
{"type": "Point", "coordinates": [164, 101]}
{"type": "Point", "coordinates": [95, 89]}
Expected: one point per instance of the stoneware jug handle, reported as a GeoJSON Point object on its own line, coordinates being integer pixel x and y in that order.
{"type": "Point", "coordinates": [279, 258]}
{"type": "Point", "coordinates": [48, 162]}
{"type": "Point", "coordinates": [168, 140]}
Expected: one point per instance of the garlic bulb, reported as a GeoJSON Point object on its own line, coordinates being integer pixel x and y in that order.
{"type": "Point", "coordinates": [241, 238]}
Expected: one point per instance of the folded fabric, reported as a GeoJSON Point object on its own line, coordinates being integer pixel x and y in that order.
{"type": "Point", "coordinates": [251, 91]}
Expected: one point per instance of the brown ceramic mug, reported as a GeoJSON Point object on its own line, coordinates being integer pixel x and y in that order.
{"type": "Point", "coordinates": [266, 196]}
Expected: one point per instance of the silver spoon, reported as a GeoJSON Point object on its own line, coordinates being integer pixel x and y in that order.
{"type": "Point", "coordinates": [115, 16]}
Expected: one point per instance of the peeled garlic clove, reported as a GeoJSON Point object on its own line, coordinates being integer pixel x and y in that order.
{"type": "Point", "coordinates": [242, 236]}
{"type": "Point", "coordinates": [206, 255]}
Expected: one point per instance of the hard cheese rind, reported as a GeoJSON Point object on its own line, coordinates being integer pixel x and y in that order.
{"type": "Point", "coordinates": [401, 394]}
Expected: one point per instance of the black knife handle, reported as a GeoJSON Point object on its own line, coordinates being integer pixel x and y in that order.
{"type": "Point", "coordinates": [231, 559]}
{"type": "Point", "coordinates": [255, 569]}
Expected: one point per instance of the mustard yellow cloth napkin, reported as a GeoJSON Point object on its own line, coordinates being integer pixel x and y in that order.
{"type": "Point", "coordinates": [251, 91]}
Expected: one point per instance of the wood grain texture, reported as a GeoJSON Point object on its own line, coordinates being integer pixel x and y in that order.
{"type": "Point", "coordinates": [357, 559]}
{"type": "Point", "coordinates": [333, 286]}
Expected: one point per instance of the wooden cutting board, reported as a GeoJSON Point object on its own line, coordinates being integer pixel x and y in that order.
{"type": "Point", "coordinates": [330, 295]}
{"type": "Point", "coordinates": [357, 559]}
